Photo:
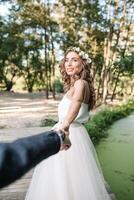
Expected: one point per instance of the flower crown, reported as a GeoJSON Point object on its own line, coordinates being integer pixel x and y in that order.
{"type": "Point", "coordinates": [81, 53]}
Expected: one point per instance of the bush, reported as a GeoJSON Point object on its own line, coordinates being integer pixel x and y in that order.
{"type": "Point", "coordinates": [98, 124]}
{"type": "Point", "coordinates": [48, 122]}
{"type": "Point", "coordinates": [58, 86]}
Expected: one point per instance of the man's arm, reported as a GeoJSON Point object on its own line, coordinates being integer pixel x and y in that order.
{"type": "Point", "coordinates": [18, 157]}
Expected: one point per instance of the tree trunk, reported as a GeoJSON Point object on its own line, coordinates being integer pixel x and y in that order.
{"type": "Point", "coordinates": [116, 81]}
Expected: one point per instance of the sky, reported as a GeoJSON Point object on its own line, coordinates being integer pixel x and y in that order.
{"type": "Point", "coordinates": [4, 9]}
{"type": "Point", "coordinates": [5, 5]}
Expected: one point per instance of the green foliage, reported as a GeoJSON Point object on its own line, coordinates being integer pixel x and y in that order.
{"type": "Point", "coordinates": [34, 31]}
{"type": "Point", "coordinates": [98, 124]}
{"type": "Point", "coordinates": [9, 56]}
{"type": "Point", "coordinates": [3, 127]}
{"type": "Point", "coordinates": [58, 85]}
{"type": "Point", "coordinates": [47, 122]}
{"type": "Point", "coordinates": [81, 22]}
{"type": "Point", "coordinates": [125, 65]}
{"type": "Point", "coordinates": [27, 43]}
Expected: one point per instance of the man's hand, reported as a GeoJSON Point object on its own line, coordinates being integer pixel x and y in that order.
{"type": "Point", "coordinates": [65, 141]}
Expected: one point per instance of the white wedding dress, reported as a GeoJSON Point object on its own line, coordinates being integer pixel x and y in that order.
{"type": "Point", "coordinates": [74, 174]}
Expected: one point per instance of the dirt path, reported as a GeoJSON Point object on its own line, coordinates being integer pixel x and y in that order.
{"type": "Point", "coordinates": [25, 110]}
{"type": "Point", "coordinates": [20, 116]}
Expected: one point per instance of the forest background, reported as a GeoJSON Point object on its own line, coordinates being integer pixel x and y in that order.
{"type": "Point", "coordinates": [36, 33]}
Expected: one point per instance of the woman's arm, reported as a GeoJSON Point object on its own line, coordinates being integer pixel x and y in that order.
{"type": "Point", "coordinates": [77, 99]}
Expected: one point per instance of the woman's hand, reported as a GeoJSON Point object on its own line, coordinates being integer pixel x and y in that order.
{"type": "Point", "coordinates": [65, 127]}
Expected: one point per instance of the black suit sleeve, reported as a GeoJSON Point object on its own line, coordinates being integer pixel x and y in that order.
{"type": "Point", "coordinates": [18, 157]}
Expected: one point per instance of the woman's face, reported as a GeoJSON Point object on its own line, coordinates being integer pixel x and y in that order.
{"type": "Point", "coordinates": [73, 63]}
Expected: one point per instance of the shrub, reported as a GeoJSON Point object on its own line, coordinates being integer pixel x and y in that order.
{"type": "Point", "coordinates": [48, 122]}
{"type": "Point", "coordinates": [58, 85]}
{"type": "Point", "coordinates": [97, 126]}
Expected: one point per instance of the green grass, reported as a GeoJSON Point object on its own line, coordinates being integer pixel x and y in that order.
{"type": "Point", "coordinates": [2, 127]}
{"type": "Point", "coordinates": [47, 122]}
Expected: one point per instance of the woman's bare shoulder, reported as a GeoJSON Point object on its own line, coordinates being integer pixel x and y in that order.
{"type": "Point", "coordinates": [79, 88]}
{"type": "Point", "coordinates": [79, 84]}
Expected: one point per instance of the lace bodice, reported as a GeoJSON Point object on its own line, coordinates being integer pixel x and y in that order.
{"type": "Point", "coordinates": [82, 116]}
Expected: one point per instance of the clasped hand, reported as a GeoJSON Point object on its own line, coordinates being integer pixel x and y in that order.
{"type": "Point", "coordinates": [66, 141]}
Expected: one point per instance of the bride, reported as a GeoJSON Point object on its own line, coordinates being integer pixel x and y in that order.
{"type": "Point", "coordinates": [74, 174]}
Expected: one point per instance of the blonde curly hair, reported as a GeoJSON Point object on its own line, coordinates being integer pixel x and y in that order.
{"type": "Point", "coordinates": [85, 74]}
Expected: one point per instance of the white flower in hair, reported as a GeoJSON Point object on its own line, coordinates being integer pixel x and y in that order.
{"type": "Point", "coordinates": [89, 60]}
{"type": "Point", "coordinates": [81, 53]}
{"type": "Point", "coordinates": [77, 49]}
{"type": "Point", "coordinates": [86, 56]}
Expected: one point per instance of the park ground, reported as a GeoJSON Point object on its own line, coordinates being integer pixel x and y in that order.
{"type": "Point", "coordinates": [21, 115]}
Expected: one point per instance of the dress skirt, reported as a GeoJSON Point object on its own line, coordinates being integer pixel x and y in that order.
{"type": "Point", "coordinates": [74, 174]}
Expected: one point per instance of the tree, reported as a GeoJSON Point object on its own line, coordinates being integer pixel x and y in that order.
{"type": "Point", "coordinates": [119, 18]}
{"type": "Point", "coordinates": [36, 19]}
{"type": "Point", "coordinates": [9, 57]}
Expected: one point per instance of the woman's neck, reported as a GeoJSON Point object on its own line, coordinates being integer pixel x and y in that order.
{"type": "Point", "coordinates": [73, 79]}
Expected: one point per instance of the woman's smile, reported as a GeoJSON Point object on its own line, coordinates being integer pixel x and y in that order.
{"type": "Point", "coordinates": [69, 69]}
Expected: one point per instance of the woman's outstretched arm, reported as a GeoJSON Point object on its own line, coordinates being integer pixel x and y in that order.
{"type": "Point", "coordinates": [77, 99]}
